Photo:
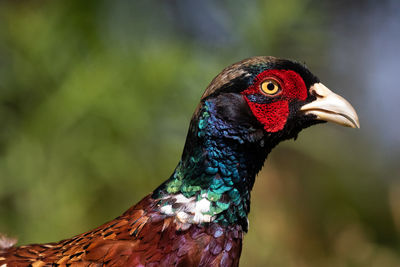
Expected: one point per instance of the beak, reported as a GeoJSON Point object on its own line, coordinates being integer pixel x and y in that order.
{"type": "Point", "coordinates": [331, 107]}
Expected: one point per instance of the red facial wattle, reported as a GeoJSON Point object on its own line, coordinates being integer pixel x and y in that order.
{"type": "Point", "coordinates": [274, 114]}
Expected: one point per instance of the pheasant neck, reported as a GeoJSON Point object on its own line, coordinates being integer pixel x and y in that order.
{"type": "Point", "coordinates": [217, 170]}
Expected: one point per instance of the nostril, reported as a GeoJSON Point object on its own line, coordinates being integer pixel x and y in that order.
{"type": "Point", "coordinates": [314, 92]}
{"type": "Point", "coordinates": [319, 90]}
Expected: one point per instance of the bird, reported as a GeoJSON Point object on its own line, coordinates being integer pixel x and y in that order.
{"type": "Point", "coordinates": [198, 215]}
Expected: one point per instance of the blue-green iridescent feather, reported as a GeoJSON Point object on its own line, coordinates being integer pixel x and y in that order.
{"type": "Point", "coordinates": [217, 165]}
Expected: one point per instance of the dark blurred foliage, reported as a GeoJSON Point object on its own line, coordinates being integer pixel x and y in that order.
{"type": "Point", "coordinates": [96, 96]}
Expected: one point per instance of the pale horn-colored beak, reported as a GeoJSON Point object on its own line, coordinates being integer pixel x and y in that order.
{"type": "Point", "coordinates": [331, 107]}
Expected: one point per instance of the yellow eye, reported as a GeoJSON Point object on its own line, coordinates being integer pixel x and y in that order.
{"type": "Point", "coordinates": [270, 87]}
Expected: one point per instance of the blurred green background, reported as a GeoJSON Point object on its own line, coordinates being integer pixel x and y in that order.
{"type": "Point", "coordinates": [96, 97]}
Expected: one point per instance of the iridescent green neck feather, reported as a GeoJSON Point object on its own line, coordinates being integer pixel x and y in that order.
{"type": "Point", "coordinates": [219, 163]}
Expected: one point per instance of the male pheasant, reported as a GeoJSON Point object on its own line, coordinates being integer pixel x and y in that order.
{"type": "Point", "coordinates": [198, 216]}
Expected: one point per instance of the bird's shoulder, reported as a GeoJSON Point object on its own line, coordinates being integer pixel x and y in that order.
{"type": "Point", "coordinates": [141, 236]}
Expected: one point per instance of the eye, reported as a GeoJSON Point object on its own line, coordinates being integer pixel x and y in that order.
{"type": "Point", "coordinates": [270, 87]}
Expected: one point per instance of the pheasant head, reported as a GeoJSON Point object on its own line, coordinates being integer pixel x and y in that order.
{"type": "Point", "coordinates": [246, 110]}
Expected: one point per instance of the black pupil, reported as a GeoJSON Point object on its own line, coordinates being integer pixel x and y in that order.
{"type": "Point", "coordinates": [271, 86]}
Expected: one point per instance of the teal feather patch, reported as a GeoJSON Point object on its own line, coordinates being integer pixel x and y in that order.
{"type": "Point", "coordinates": [215, 170]}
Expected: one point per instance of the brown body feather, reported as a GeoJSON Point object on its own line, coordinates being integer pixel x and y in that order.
{"type": "Point", "coordinates": [140, 237]}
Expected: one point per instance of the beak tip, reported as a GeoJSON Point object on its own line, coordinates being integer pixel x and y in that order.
{"type": "Point", "coordinates": [356, 121]}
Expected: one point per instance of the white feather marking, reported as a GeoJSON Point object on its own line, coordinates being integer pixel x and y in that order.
{"type": "Point", "coordinates": [167, 210]}
{"type": "Point", "coordinates": [190, 210]}
{"type": "Point", "coordinates": [182, 199]}
{"type": "Point", "coordinates": [202, 206]}
{"type": "Point", "coordinates": [182, 216]}
{"type": "Point", "coordinates": [208, 218]}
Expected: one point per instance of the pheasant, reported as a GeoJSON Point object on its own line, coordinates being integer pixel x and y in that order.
{"type": "Point", "coordinates": [198, 216]}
